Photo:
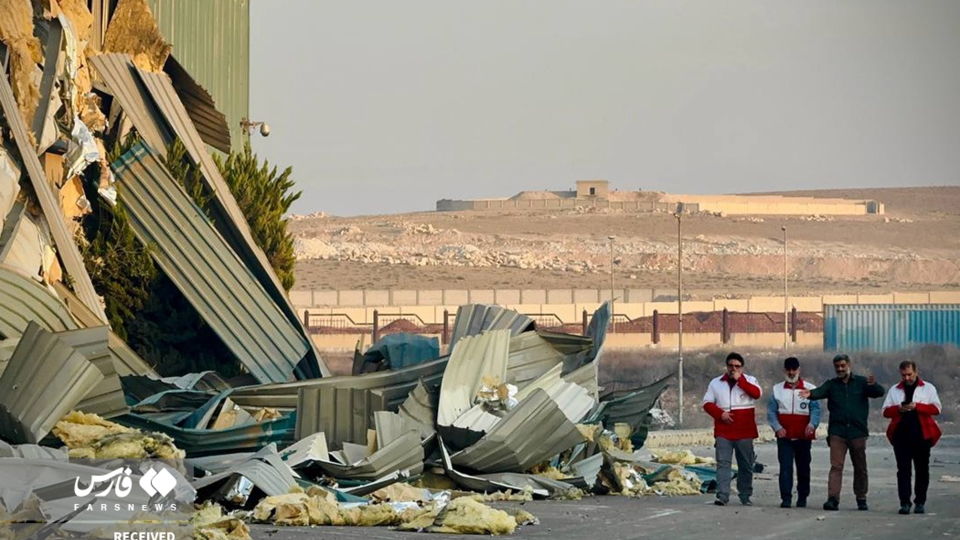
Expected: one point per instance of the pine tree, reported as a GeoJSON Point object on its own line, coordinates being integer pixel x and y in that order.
{"type": "Point", "coordinates": [143, 306]}
{"type": "Point", "coordinates": [264, 198]}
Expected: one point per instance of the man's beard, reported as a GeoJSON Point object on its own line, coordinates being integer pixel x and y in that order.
{"type": "Point", "coordinates": [793, 379]}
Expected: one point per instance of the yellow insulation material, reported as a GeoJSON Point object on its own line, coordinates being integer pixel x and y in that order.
{"type": "Point", "coordinates": [134, 31]}
{"type": "Point", "coordinates": [467, 516]}
{"type": "Point", "coordinates": [90, 437]}
{"type": "Point", "coordinates": [210, 524]}
{"type": "Point", "coordinates": [16, 31]}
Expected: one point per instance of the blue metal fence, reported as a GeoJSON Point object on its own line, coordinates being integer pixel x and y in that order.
{"type": "Point", "coordinates": [889, 327]}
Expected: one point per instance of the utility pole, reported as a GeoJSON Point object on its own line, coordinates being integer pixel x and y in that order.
{"type": "Point", "coordinates": [613, 323]}
{"type": "Point", "coordinates": [786, 301]}
{"type": "Point", "coordinates": [679, 216]}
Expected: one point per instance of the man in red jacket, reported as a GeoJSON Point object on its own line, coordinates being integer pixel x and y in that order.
{"type": "Point", "coordinates": [911, 406]}
{"type": "Point", "coordinates": [730, 401]}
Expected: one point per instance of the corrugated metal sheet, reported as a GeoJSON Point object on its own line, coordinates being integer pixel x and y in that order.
{"type": "Point", "coordinates": [585, 376]}
{"type": "Point", "coordinates": [534, 353]}
{"type": "Point", "coordinates": [107, 398]}
{"type": "Point", "coordinates": [574, 400]}
{"type": "Point", "coordinates": [212, 40]}
{"type": "Point", "coordinates": [49, 203]}
{"type": "Point", "coordinates": [9, 184]}
{"type": "Point", "coordinates": [126, 362]}
{"type": "Point", "coordinates": [420, 408]}
{"type": "Point", "coordinates": [22, 244]}
{"type": "Point", "coordinates": [588, 469]}
{"type": "Point", "coordinates": [118, 71]}
{"type": "Point", "coordinates": [265, 469]}
{"type": "Point", "coordinates": [44, 380]}
{"type": "Point", "coordinates": [597, 330]}
{"type": "Point", "coordinates": [227, 216]}
{"type": "Point", "coordinates": [479, 483]}
{"type": "Point", "coordinates": [23, 300]}
{"type": "Point", "coordinates": [211, 124]}
{"type": "Point", "coordinates": [535, 431]}
{"type": "Point", "coordinates": [205, 269]}
{"type": "Point", "coordinates": [32, 451]}
{"type": "Point", "coordinates": [391, 426]}
{"type": "Point", "coordinates": [472, 319]}
{"type": "Point", "coordinates": [630, 407]}
{"type": "Point", "coordinates": [155, 109]}
{"type": "Point", "coordinates": [889, 327]}
{"type": "Point", "coordinates": [205, 442]}
{"type": "Point", "coordinates": [285, 395]}
{"type": "Point", "coordinates": [472, 359]}
{"type": "Point", "coordinates": [343, 414]}
{"type": "Point", "coordinates": [530, 357]}
{"type": "Point", "coordinates": [7, 347]}
{"type": "Point", "coordinates": [404, 453]}
{"type": "Point", "coordinates": [310, 448]}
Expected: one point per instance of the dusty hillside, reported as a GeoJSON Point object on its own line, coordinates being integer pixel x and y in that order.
{"type": "Point", "coordinates": [908, 249]}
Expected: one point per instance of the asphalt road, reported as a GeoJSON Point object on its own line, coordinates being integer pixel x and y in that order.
{"type": "Point", "coordinates": [611, 518]}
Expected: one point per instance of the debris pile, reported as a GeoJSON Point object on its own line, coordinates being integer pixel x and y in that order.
{"type": "Point", "coordinates": [504, 416]}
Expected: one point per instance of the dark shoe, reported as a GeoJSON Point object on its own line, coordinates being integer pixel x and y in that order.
{"type": "Point", "coordinates": [862, 504]}
{"type": "Point", "coordinates": [746, 501]}
{"type": "Point", "coordinates": [831, 504]}
{"type": "Point", "coordinates": [801, 503]}
{"type": "Point", "coordinates": [904, 509]}
{"type": "Point", "coordinates": [918, 509]}
{"type": "Point", "coordinates": [785, 504]}
{"type": "Point", "coordinates": [720, 502]}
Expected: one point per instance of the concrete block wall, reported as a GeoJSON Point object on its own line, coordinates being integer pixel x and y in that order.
{"type": "Point", "coordinates": [632, 302]}
{"type": "Point", "coordinates": [448, 205]}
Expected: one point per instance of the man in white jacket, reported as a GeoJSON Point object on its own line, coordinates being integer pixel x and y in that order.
{"type": "Point", "coordinates": [730, 401]}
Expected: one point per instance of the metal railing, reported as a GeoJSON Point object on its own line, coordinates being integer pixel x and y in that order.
{"type": "Point", "coordinates": [730, 323]}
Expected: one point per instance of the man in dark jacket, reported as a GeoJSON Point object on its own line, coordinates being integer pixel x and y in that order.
{"type": "Point", "coordinates": [911, 406]}
{"type": "Point", "coordinates": [847, 398]}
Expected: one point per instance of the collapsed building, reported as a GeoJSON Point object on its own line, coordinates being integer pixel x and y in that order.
{"type": "Point", "coordinates": [511, 409]}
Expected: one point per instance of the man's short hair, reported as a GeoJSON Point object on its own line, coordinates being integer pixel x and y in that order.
{"type": "Point", "coordinates": [791, 363]}
{"type": "Point", "coordinates": [908, 364]}
{"type": "Point", "coordinates": [735, 356]}
{"type": "Point", "coordinates": [841, 358]}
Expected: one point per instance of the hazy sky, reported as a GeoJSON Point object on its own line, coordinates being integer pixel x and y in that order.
{"type": "Point", "coordinates": [387, 106]}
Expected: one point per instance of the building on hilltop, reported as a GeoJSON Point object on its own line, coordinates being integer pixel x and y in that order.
{"type": "Point", "coordinates": [593, 188]}
{"type": "Point", "coordinates": [597, 193]}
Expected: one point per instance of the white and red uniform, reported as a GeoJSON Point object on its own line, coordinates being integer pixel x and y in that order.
{"type": "Point", "coordinates": [793, 411]}
{"type": "Point", "coordinates": [928, 406]}
{"type": "Point", "coordinates": [738, 400]}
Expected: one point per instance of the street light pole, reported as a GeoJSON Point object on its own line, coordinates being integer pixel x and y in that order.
{"type": "Point", "coordinates": [679, 216]}
{"type": "Point", "coordinates": [613, 324]}
{"type": "Point", "coordinates": [786, 300]}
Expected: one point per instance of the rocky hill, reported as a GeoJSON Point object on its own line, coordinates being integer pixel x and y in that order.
{"type": "Point", "coordinates": [915, 246]}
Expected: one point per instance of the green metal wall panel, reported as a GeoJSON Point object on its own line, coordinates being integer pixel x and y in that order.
{"type": "Point", "coordinates": [211, 39]}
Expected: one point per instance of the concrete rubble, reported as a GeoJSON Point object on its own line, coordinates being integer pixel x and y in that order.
{"type": "Point", "coordinates": [510, 413]}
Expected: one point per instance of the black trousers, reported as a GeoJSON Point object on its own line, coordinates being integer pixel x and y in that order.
{"type": "Point", "coordinates": [912, 454]}
{"type": "Point", "coordinates": [790, 452]}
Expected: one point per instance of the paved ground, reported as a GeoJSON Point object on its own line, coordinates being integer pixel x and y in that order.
{"type": "Point", "coordinates": [612, 518]}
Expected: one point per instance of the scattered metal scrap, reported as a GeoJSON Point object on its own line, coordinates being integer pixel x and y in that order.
{"type": "Point", "coordinates": [519, 409]}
